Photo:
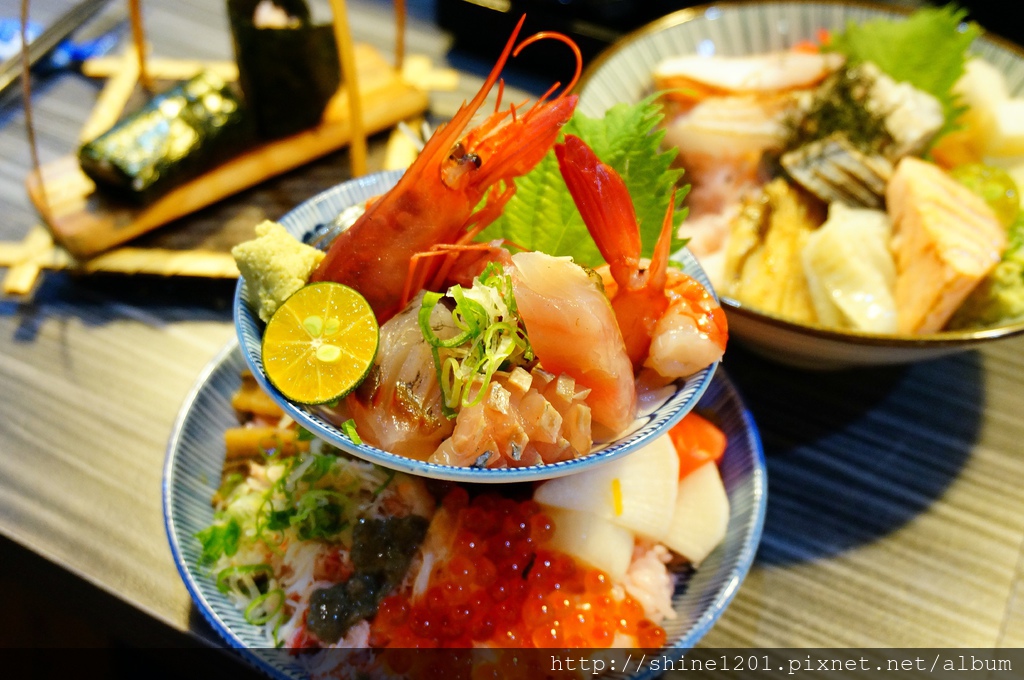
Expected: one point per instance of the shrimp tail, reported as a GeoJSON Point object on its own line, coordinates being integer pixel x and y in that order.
{"type": "Point", "coordinates": [658, 270]}
{"type": "Point", "coordinates": [603, 200]}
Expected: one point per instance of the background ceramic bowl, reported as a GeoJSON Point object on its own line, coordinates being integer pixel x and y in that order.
{"type": "Point", "coordinates": [308, 219]}
{"type": "Point", "coordinates": [623, 74]}
{"type": "Point", "coordinates": [195, 460]}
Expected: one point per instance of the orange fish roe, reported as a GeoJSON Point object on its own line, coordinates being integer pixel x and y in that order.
{"type": "Point", "coordinates": [501, 586]}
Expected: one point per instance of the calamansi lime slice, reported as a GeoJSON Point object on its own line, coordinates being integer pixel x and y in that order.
{"type": "Point", "coordinates": [320, 343]}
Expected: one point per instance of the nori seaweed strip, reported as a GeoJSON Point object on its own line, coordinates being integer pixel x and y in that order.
{"type": "Point", "coordinates": [287, 74]}
{"type": "Point", "coordinates": [174, 137]}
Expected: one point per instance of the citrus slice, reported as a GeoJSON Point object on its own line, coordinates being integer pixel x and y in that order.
{"type": "Point", "coordinates": [320, 343]}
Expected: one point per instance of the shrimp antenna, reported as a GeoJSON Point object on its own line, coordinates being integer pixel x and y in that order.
{"type": "Point", "coordinates": [547, 94]}
{"type": "Point", "coordinates": [501, 91]}
{"type": "Point", "coordinates": [557, 36]}
{"type": "Point", "coordinates": [522, 105]}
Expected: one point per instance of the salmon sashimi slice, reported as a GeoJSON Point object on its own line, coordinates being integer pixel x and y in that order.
{"type": "Point", "coordinates": [946, 239]}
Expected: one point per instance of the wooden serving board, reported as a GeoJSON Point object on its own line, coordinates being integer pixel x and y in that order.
{"type": "Point", "coordinates": [86, 221]}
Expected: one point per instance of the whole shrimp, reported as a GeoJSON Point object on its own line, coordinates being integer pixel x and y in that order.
{"type": "Point", "coordinates": [669, 321]}
{"type": "Point", "coordinates": [435, 200]}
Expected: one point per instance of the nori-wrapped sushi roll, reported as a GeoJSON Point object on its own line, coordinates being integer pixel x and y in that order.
{"type": "Point", "coordinates": [287, 65]}
{"type": "Point", "coordinates": [177, 135]}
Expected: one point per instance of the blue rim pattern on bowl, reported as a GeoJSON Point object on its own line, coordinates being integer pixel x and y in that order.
{"type": "Point", "coordinates": [192, 473]}
{"type": "Point", "coordinates": [195, 457]}
{"type": "Point", "coordinates": [322, 209]}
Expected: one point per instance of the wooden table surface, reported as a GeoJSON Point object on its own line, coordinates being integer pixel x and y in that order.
{"type": "Point", "coordinates": [896, 508]}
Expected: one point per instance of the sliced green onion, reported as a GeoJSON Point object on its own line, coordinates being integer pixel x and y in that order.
{"type": "Point", "coordinates": [430, 301]}
{"type": "Point", "coordinates": [385, 484]}
{"type": "Point", "coordinates": [322, 512]}
{"type": "Point", "coordinates": [490, 338]}
{"type": "Point", "coordinates": [229, 576]}
{"type": "Point", "coordinates": [273, 538]}
{"type": "Point", "coordinates": [349, 428]}
{"type": "Point", "coordinates": [264, 607]}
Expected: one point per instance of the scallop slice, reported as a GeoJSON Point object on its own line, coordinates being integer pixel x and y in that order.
{"type": "Point", "coordinates": [850, 270]}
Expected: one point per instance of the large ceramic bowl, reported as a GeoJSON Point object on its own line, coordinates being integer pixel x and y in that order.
{"type": "Point", "coordinates": [308, 219]}
{"type": "Point", "coordinates": [623, 74]}
{"type": "Point", "coordinates": [195, 460]}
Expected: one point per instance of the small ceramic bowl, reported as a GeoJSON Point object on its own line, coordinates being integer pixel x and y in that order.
{"type": "Point", "coordinates": [309, 219]}
{"type": "Point", "coordinates": [623, 74]}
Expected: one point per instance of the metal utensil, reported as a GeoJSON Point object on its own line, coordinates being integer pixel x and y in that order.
{"type": "Point", "coordinates": [65, 25]}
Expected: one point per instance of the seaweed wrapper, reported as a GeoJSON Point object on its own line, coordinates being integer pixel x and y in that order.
{"type": "Point", "coordinates": [287, 74]}
{"type": "Point", "coordinates": [176, 136]}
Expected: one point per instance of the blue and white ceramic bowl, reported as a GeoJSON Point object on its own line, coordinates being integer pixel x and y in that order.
{"type": "Point", "coordinates": [623, 74]}
{"type": "Point", "coordinates": [309, 218]}
{"type": "Point", "coordinates": [195, 459]}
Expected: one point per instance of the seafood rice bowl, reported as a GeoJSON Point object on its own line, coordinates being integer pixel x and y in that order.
{"type": "Point", "coordinates": [511, 307]}
{"type": "Point", "coordinates": [283, 551]}
{"type": "Point", "coordinates": [855, 171]}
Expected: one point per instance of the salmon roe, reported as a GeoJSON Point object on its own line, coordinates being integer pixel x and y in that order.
{"type": "Point", "coordinates": [502, 586]}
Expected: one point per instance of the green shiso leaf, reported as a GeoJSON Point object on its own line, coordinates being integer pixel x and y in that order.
{"type": "Point", "coordinates": [927, 50]}
{"type": "Point", "coordinates": [542, 216]}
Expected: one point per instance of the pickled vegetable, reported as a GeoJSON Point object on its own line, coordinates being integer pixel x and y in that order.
{"type": "Point", "coordinates": [999, 298]}
{"type": "Point", "coordinates": [994, 185]}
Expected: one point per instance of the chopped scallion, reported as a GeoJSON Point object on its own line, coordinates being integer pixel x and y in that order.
{"type": "Point", "coordinates": [227, 578]}
{"type": "Point", "coordinates": [264, 607]}
{"type": "Point", "coordinates": [349, 428]}
{"type": "Point", "coordinates": [491, 338]}
{"type": "Point", "coordinates": [385, 484]}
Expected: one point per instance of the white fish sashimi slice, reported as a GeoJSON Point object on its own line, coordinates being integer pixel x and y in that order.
{"type": "Point", "coordinates": [731, 126]}
{"type": "Point", "coordinates": [850, 270]}
{"type": "Point", "coordinates": [772, 72]}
